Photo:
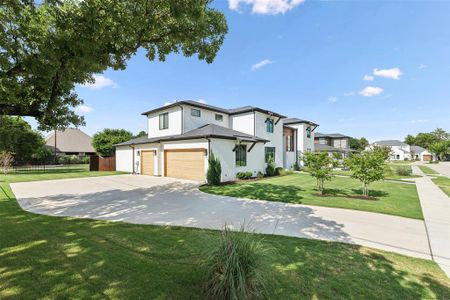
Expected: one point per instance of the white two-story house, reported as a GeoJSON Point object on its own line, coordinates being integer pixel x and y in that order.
{"type": "Point", "coordinates": [403, 151]}
{"type": "Point", "coordinates": [182, 135]}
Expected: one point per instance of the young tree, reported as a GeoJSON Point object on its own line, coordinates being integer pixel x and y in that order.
{"type": "Point", "coordinates": [319, 165]}
{"type": "Point", "coordinates": [103, 141]}
{"type": "Point", "coordinates": [6, 161]}
{"type": "Point", "coordinates": [383, 151]}
{"type": "Point", "coordinates": [141, 134]}
{"type": "Point", "coordinates": [440, 149]}
{"type": "Point", "coordinates": [214, 173]}
{"type": "Point", "coordinates": [358, 144]}
{"type": "Point", "coordinates": [411, 141]}
{"type": "Point", "coordinates": [367, 167]}
{"type": "Point", "coordinates": [50, 46]}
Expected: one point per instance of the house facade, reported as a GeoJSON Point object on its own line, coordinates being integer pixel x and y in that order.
{"type": "Point", "coordinates": [182, 135]}
{"type": "Point", "coordinates": [403, 151]}
{"type": "Point", "coordinates": [333, 142]}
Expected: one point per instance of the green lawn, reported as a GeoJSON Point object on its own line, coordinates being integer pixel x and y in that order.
{"type": "Point", "coordinates": [443, 183]}
{"type": "Point", "coordinates": [60, 258]}
{"type": "Point", "coordinates": [392, 198]}
{"type": "Point", "coordinates": [49, 175]}
{"type": "Point", "coordinates": [428, 170]}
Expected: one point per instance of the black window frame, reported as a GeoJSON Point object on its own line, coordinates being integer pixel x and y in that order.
{"type": "Point", "coordinates": [241, 155]}
{"type": "Point", "coordinates": [220, 119]}
{"type": "Point", "coordinates": [164, 124]}
{"type": "Point", "coordinates": [308, 132]}
{"type": "Point", "coordinates": [269, 125]}
{"type": "Point", "coordinates": [196, 110]}
{"type": "Point", "coordinates": [266, 152]}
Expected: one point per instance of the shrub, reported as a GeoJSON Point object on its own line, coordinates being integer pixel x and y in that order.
{"type": "Point", "coordinates": [214, 174]}
{"type": "Point", "coordinates": [74, 159]}
{"type": "Point", "coordinates": [403, 170]}
{"type": "Point", "coordinates": [284, 172]}
{"type": "Point", "coordinates": [296, 167]}
{"type": "Point", "coordinates": [244, 175]}
{"type": "Point", "coordinates": [236, 267]}
{"type": "Point", "coordinates": [271, 169]}
{"type": "Point", "coordinates": [260, 175]}
{"type": "Point", "coordinates": [64, 159]}
{"type": "Point", "coordinates": [86, 159]}
{"type": "Point", "coordinates": [278, 170]}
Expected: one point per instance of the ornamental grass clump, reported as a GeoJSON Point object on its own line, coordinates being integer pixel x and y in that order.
{"type": "Point", "coordinates": [236, 267]}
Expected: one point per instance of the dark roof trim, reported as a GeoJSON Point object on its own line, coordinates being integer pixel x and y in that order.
{"type": "Point", "coordinates": [214, 108]}
{"type": "Point", "coordinates": [300, 122]}
{"type": "Point", "coordinates": [191, 103]}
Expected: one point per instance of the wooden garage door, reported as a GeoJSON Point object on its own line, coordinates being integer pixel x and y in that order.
{"type": "Point", "coordinates": [148, 162]}
{"type": "Point", "coordinates": [185, 164]}
{"type": "Point", "coordinates": [427, 157]}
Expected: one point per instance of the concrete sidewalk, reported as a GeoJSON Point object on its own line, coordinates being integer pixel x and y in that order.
{"type": "Point", "coordinates": [436, 211]}
{"type": "Point", "coordinates": [161, 201]}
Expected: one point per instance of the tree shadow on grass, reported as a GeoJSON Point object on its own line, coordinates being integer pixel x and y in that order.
{"type": "Point", "coordinates": [338, 271]}
{"type": "Point", "coordinates": [266, 191]}
{"type": "Point", "coordinates": [372, 193]}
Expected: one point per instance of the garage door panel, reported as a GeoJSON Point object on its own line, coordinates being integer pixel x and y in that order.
{"type": "Point", "coordinates": [147, 162]}
{"type": "Point", "coordinates": [185, 164]}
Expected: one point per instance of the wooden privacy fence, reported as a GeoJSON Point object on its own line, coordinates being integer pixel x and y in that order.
{"type": "Point", "coordinates": [99, 163]}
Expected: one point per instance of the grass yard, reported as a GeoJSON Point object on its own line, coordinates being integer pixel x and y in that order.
{"type": "Point", "coordinates": [390, 172]}
{"type": "Point", "coordinates": [444, 183]}
{"type": "Point", "coordinates": [428, 170]}
{"type": "Point", "coordinates": [392, 198]}
{"type": "Point", "coordinates": [59, 257]}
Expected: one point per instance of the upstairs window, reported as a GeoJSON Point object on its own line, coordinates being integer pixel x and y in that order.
{"type": "Point", "coordinates": [269, 152]}
{"type": "Point", "coordinates": [269, 125]}
{"type": "Point", "coordinates": [163, 121]}
{"type": "Point", "coordinates": [241, 155]}
{"type": "Point", "coordinates": [195, 112]}
{"type": "Point", "coordinates": [219, 117]}
{"type": "Point", "coordinates": [308, 132]}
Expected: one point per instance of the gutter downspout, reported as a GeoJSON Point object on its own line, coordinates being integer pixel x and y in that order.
{"type": "Point", "coordinates": [296, 146]}
{"type": "Point", "coordinates": [132, 150]}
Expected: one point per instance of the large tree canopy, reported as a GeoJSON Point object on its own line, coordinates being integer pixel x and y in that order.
{"type": "Point", "coordinates": [48, 48]}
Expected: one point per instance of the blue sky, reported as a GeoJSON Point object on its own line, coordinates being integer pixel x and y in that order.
{"type": "Point", "coordinates": [376, 69]}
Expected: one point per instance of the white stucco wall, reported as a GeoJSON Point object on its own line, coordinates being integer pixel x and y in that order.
{"type": "Point", "coordinates": [223, 149]}
{"type": "Point", "coordinates": [124, 159]}
{"type": "Point", "coordinates": [275, 138]}
{"type": "Point", "coordinates": [304, 143]}
{"type": "Point", "coordinates": [174, 123]}
{"type": "Point", "coordinates": [243, 122]}
{"type": "Point", "coordinates": [206, 117]}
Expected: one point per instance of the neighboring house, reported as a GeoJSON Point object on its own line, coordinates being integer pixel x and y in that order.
{"type": "Point", "coordinates": [70, 141]}
{"type": "Point", "coordinates": [183, 134]}
{"type": "Point", "coordinates": [333, 142]}
{"type": "Point", "coordinates": [402, 151]}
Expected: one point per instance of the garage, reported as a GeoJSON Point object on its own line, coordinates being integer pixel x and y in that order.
{"type": "Point", "coordinates": [185, 164]}
{"type": "Point", "coordinates": [427, 157]}
{"type": "Point", "coordinates": [148, 162]}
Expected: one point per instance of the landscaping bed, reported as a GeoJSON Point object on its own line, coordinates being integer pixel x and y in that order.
{"type": "Point", "coordinates": [59, 257]}
{"type": "Point", "coordinates": [390, 197]}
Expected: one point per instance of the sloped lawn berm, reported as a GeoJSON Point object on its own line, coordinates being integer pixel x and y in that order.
{"type": "Point", "coordinates": [391, 198]}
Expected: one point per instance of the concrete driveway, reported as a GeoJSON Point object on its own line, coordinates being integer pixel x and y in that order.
{"type": "Point", "coordinates": [442, 168]}
{"type": "Point", "coordinates": [166, 201]}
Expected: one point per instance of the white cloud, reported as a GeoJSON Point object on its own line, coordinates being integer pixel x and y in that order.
{"type": "Point", "coordinates": [371, 91]}
{"type": "Point", "coordinates": [261, 64]}
{"type": "Point", "coordinates": [100, 82]}
{"type": "Point", "coordinates": [393, 73]}
{"type": "Point", "coordinates": [332, 99]}
{"type": "Point", "coordinates": [352, 93]}
{"type": "Point", "coordinates": [83, 109]}
{"type": "Point", "coordinates": [422, 66]}
{"type": "Point", "coordinates": [368, 78]}
{"type": "Point", "coordinates": [203, 101]}
{"type": "Point", "coordinates": [265, 7]}
{"type": "Point", "coordinates": [419, 121]}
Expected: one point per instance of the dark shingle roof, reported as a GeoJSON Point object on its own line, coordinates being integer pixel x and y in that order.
{"type": "Point", "coordinates": [391, 143]}
{"type": "Point", "coordinates": [233, 111]}
{"type": "Point", "coordinates": [330, 135]}
{"type": "Point", "coordinates": [297, 121]}
{"type": "Point", "coordinates": [206, 131]}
